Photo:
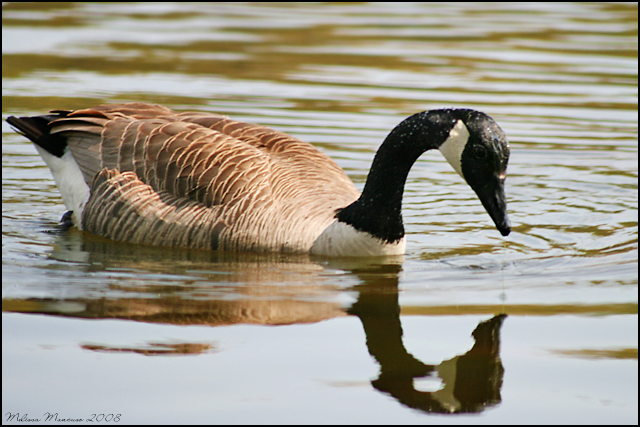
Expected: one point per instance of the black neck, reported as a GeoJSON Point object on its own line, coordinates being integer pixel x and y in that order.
{"type": "Point", "coordinates": [378, 211]}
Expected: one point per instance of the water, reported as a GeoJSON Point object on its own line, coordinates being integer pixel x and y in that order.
{"type": "Point", "coordinates": [92, 326]}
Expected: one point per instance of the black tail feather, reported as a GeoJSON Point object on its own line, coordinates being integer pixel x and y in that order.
{"type": "Point", "coordinates": [37, 130]}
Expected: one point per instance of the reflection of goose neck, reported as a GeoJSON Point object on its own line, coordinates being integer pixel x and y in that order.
{"type": "Point", "coordinates": [379, 311]}
{"type": "Point", "coordinates": [472, 381]}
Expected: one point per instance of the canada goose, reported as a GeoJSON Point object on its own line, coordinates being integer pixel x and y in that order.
{"type": "Point", "coordinates": [146, 174]}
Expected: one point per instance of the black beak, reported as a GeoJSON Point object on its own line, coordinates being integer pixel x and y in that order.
{"type": "Point", "coordinates": [495, 202]}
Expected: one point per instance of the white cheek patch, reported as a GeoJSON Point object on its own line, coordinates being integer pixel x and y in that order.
{"type": "Point", "coordinates": [453, 147]}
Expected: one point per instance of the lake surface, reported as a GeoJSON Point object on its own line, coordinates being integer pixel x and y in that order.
{"type": "Point", "coordinates": [467, 327]}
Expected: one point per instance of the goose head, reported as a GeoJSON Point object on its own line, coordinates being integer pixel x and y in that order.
{"type": "Point", "coordinates": [478, 151]}
{"type": "Point", "coordinates": [470, 141]}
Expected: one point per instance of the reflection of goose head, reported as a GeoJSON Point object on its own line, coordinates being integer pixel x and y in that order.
{"type": "Point", "coordinates": [143, 173]}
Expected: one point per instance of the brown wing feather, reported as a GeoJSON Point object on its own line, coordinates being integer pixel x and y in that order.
{"type": "Point", "coordinates": [201, 180]}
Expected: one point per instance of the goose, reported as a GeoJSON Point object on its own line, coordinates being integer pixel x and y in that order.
{"type": "Point", "coordinates": [144, 173]}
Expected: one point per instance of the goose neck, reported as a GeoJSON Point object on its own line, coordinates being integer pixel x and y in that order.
{"type": "Point", "coordinates": [379, 208]}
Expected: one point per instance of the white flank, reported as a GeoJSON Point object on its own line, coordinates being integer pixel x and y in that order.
{"type": "Point", "coordinates": [453, 147]}
{"type": "Point", "coordinates": [66, 173]}
{"type": "Point", "coordinates": [341, 239]}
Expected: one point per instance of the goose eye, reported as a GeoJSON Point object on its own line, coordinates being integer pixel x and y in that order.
{"type": "Point", "coordinates": [479, 152]}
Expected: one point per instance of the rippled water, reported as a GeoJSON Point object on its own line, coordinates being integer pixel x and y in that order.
{"type": "Point", "coordinates": [559, 78]}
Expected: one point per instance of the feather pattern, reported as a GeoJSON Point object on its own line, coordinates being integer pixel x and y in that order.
{"type": "Point", "coordinates": [201, 180]}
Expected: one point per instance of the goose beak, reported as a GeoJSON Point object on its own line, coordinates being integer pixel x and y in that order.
{"type": "Point", "coordinates": [495, 202]}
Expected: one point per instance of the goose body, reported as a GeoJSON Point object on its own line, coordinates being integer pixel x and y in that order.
{"type": "Point", "coordinates": [143, 173]}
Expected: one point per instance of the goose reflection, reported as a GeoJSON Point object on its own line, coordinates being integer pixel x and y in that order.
{"type": "Point", "coordinates": [274, 290]}
{"type": "Point", "coordinates": [471, 381]}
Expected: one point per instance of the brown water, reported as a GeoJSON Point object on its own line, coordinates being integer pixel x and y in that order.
{"type": "Point", "coordinates": [165, 335]}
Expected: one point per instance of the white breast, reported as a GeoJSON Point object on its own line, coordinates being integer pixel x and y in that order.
{"type": "Point", "coordinates": [341, 239]}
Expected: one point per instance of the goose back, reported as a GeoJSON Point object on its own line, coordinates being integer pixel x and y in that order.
{"type": "Point", "coordinates": [200, 180]}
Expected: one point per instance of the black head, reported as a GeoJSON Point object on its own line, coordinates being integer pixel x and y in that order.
{"type": "Point", "coordinates": [478, 150]}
